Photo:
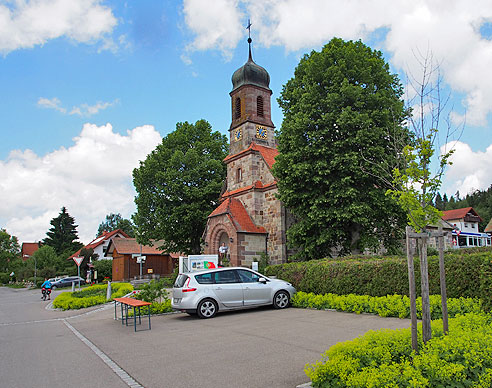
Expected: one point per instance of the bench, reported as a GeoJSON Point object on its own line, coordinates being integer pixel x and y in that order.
{"type": "Point", "coordinates": [125, 303]}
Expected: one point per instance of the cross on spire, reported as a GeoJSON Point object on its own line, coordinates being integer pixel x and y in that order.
{"type": "Point", "coordinates": [249, 38]}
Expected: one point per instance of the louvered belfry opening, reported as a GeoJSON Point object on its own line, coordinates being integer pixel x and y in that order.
{"type": "Point", "coordinates": [259, 106]}
{"type": "Point", "coordinates": [237, 114]}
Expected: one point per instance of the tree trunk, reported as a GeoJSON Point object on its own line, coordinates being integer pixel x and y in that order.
{"type": "Point", "coordinates": [411, 282]}
{"type": "Point", "coordinates": [424, 274]}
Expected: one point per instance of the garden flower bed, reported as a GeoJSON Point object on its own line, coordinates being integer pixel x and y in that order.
{"type": "Point", "coordinates": [90, 296]}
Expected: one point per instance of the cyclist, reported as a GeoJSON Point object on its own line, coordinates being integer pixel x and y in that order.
{"type": "Point", "coordinates": [46, 288]}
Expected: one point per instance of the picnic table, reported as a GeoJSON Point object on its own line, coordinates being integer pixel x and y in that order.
{"type": "Point", "coordinates": [127, 303]}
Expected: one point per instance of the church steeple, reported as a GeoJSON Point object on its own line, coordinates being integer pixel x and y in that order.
{"type": "Point", "coordinates": [250, 105]}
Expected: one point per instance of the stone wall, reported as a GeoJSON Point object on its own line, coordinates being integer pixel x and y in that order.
{"type": "Point", "coordinates": [253, 169]}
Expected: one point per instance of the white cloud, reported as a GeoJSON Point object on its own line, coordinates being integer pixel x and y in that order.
{"type": "Point", "coordinates": [89, 110]}
{"type": "Point", "coordinates": [54, 103]}
{"type": "Point", "coordinates": [450, 29]}
{"type": "Point", "coordinates": [215, 24]}
{"type": "Point", "coordinates": [28, 23]}
{"type": "Point", "coordinates": [84, 110]}
{"type": "Point", "coordinates": [470, 170]}
{"type": "Point", "coordinates": [92, 178]}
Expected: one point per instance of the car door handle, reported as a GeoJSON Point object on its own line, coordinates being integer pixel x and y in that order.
{"type": "Point", "coordinates": [218, 288]}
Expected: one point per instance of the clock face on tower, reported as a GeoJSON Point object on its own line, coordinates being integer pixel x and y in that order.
{"type": "Point", "coordinates": [261, 132]}
{"type": "Point", "coordinates": [237, 134]}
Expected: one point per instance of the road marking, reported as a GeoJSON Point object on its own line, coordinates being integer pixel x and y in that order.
{"type": "Point", "coordinates": [122, 374]}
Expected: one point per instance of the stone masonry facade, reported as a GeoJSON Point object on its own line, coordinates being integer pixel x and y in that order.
{"type": "Point", "coordinates": [250, 219]}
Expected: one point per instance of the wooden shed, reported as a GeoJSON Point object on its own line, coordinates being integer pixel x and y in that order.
{"type": "Point", "coordinates": [125, 266]}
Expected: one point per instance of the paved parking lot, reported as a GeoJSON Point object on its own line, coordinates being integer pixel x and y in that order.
{"type": "Point", "coordinates": [254, 348]}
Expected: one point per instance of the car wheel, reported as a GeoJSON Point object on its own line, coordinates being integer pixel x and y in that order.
{"type": "Point", "coordinates": [207, 308]}
{"type": "Point", "coordinates": [281, 300]}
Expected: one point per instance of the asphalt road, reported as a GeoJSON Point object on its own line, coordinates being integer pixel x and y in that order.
{"type": "Point", "coordinates": [253, 348]}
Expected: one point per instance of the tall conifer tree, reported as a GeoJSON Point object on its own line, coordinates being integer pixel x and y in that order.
{"type": "Point", "coordinates": [62, 235]}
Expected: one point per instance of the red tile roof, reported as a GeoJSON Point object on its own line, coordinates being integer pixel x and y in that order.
{"type": "Point", "coordinates": [238, 215]}
{"type": "Point", "coordinates": [126, 246]}
{"type": "Point", "coordinates": [29, 248]}
{"type": "Point", "coordinates": [100, 240]}
{"type": "Point", "coordinates": [457, 214]}
{"type": "Point", "coordinates": [488, 228]}
{"type": "Point", "coordinates": [257, 185]}
{"type": "Point", "coordinates": [268, 153]}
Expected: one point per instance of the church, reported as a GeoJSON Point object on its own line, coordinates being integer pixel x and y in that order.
{"type": "Point", "coordinates": [250, 220]}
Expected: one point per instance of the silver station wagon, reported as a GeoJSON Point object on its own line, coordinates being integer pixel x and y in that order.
{"type": "Point", "coordinates": [208, 292]}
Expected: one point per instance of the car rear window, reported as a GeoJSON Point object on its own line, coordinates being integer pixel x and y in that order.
{"type": "Point", "coordinates": [180, 281]}
{"type": "Point", "coordinates": [205, 278]}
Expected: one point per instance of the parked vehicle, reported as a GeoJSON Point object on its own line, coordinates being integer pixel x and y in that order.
{"type": "Point", "coordinates": [65, 282]}
{"type": "Point", "coordinates": [46, 293]}
{"type": "Point", "coordinates": [208, 292]}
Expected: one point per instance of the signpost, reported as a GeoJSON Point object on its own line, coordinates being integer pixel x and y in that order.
{"type": "Point", "coordinates": [78, 260]}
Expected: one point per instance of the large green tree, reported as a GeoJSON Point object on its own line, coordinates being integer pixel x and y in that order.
{"type": "Point", "coordinates": [179, 185]}
{"type": "Point", "coordinates": [63, 233]}
{"type": "Point", "coordinates": [342, 110]}
{"type": "Point", "coordinates": [9, 250]}
{"type": "Point", "coordinates": [116, 221]}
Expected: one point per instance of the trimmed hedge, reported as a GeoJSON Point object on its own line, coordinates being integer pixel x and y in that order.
{"type": "Point", "coordinates": [385, 358]}
{"type": "Point", "coordinates": [467, 275]}
{"type": "Point", "coordinates": [90, 296]}
{"type": "Point", "coordinates": [384, 306]}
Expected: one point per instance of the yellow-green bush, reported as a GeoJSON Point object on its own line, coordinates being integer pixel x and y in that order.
{"type": "Point", "coordinates": [384, 306]}
{"type": "Point", "coordinates": [385, 358]}
{"type": "Point", "coordinates": [90, 296]}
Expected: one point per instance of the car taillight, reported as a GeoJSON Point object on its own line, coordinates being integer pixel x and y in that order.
{"type": "Point", "coordinates": [186, 288]}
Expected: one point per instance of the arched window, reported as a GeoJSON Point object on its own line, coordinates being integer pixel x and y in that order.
{"type": "Point", "coordinates": [237, 107]}
{"type": "Point", "coordinates": [259, 106]}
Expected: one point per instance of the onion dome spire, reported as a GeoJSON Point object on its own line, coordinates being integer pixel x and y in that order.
{"type": "Point", "coordinates": [250, 73]}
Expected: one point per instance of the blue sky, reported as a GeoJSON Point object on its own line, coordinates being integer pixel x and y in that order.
{"type": "Point", "coordinates": [88, 87]}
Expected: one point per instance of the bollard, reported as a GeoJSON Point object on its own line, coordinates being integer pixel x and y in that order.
{"type": "Point", "coordinates": [108, 291]}
{"type": "Point", "coordinates": [73, 286]}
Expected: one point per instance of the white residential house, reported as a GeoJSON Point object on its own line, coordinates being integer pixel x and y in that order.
{"type": "Point", "coordinates": [100, 244]}
{"type": "Point", "coordinates": [467, 234]}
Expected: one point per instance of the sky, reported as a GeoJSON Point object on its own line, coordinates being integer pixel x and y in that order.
{"type": "Point", "coordinates": [88, 88]}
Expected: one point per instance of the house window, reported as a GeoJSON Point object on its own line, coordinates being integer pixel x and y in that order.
{"type": "Point", "coordinates": [237, 107]}
{"type": "Point", "coordinates": [259, 106]}
{"type": "Point", "coordinates": [466, 225]}
{"type": "Point", "coordinates": [239, 175]}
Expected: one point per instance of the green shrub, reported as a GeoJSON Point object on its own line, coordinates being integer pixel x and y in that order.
{"type": "Point", "coordinates": [468, 274]}
{"type": "Point", "coordinates": [169, 281]}
{"type": "Point", "coordinates": [384, 306]}
{"type": "Point", "coordinates": [155, 308]}
{"type": "Point", "coordinates": [4, 278]}
{"type": "Point", "coordinates": [90, 296]}
{"type": "Point", "coordinates": [385, 358]}
{"type": "Point", "coordinates": [152, 291]}
{"type": "Point", "coordinates": [104, 269]}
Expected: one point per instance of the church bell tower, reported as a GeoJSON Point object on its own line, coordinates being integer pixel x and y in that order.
{"type": "Point", "coordinates": [250, 107]}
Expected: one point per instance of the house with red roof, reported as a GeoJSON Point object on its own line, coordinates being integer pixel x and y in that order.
{"type": "Point", "coordinates": [100, 244]}
{"type": "Point", "coordinates": [123, 251]}
{"type": "Point", "coordinates": [250, 220]}
{"type": "Point", "coordinates": [466, 233]}
{"type": "Point", "coordinates": [28, 249]}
